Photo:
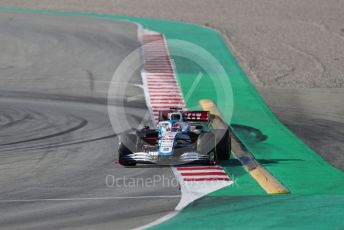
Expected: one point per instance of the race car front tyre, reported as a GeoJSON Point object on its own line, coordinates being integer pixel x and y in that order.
{"type": "Point", "coordinates": [206, 144]}
{"type": "Point", "coordinates": [126, 147]}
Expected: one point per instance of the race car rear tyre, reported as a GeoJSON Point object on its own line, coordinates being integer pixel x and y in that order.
{"type": "Point", "coordinates": [222, 148]}
{"type": "Point", "coordinates": [126, 147]}
{"type": "Point", "coordinates": [216, 142]}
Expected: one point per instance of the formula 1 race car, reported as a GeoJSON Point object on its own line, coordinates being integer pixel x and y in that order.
{"type": "Point", "coordinates": [181, 137]}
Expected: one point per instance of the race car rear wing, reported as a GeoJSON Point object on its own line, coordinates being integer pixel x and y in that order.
{"type": "Point", "coordinates": [188, 116]}
{"type": "Point", "coordinates": [197, 116]}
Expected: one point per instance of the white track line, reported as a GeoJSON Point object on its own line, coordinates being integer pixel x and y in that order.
{"type": "Point", "coordinates": [89, 198]}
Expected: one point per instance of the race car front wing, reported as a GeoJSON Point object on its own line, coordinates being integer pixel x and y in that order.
{"type": "Point", "coordinates": [154, 158]}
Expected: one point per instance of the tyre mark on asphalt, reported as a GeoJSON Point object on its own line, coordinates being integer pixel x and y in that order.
{"type": "Point", "coordinates": [82, 124]}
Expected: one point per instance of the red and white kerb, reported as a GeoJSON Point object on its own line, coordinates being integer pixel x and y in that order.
{"type": "Point", "coordinates": [202, 173]}
{"type": "Point", "coordinates": [161, 87]}
{"type": "Point", "coordinates": [162, 92]}
{"type": "Point", "coordinates": [198, 181]}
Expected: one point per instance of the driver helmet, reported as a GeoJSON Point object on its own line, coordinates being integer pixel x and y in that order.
{"type": "Point", "coordinates": [175, 117]}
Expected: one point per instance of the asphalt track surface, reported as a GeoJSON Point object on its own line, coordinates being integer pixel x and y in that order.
{"type": "Point", "coordinates": [283, 46]}
{"type": "Point", "coordinates": [57, 145]}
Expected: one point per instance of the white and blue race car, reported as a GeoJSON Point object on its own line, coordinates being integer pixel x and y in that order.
{"type": "Point", "coordinates": [181, 137]}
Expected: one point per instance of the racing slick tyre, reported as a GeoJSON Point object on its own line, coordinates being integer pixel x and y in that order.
{"type": "Point", "coordinates": [126, 147]}
{"type": "Point", "coordinates": [216, 143]}
{"type": "Point", "coordinates": [146, 136]}
{"type": "Point", "coordinates": [222, 148]}
{"type": "Point", "coordinates": [206, 145]}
